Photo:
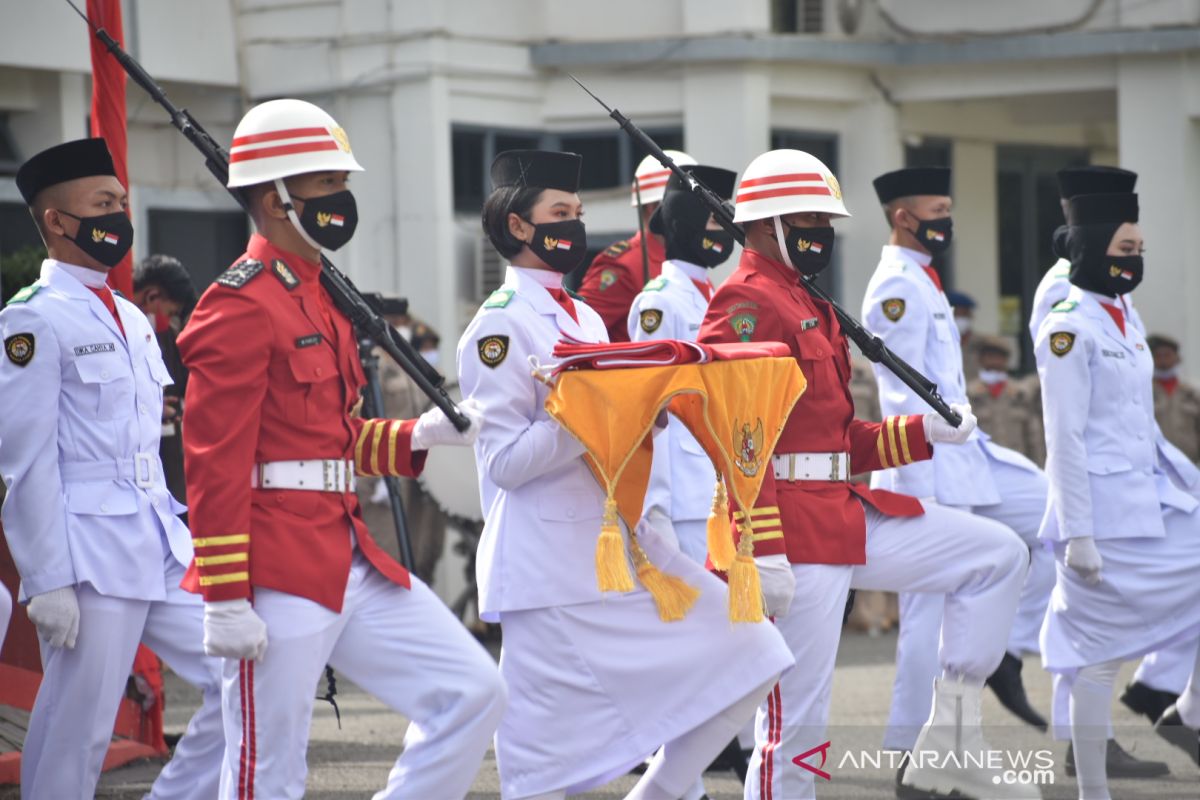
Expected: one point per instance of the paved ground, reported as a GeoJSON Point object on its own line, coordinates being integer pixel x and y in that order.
{"type": "Point", "coordinates": [354, 761]}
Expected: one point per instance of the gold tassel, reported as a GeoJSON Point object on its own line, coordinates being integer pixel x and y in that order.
{"type": "Point", "coordinates": [720, 543]}
{"type": "Point", "coordinates": [745, 587]}
{"type": "Point", "coordinates": [612, 570]}
{"type": "Point", "coordinates": [673, 596]}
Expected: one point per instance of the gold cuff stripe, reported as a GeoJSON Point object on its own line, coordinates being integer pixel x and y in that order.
{"type": "Point", "coordinates": [216, 580]}
{"type": "Point", "coordinates": [772, 522]}
{"type": "Point", "coordinates": [908, 459]}
{"type": "Point", "coordinates": [763, 537]}
{"type": "Point", "coordinates": [228, 558]}
{"type": "Point", "coordinates": [376, 438]}
{"type": "Point", "coordinates": [761, 511]}
{"type": "Point", "coordinates": [879, 444]}
{"type": "Point", "coordinates": [358, 446]}
{"type": "Point", "coordinates": [392, 453]}
{"type": "Point", "coordinates": [221, 541]}
{"type": "Point", "coordinates": [893, 449]}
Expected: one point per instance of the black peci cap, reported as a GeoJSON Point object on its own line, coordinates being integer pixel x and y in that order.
{"type": "Point", "coordinates": [721, 181]}
{"type": "Point", "coordinates": [81, 158]}
{"type": "Point", "coordinates": [1094, 179]}
{"type": "Point", "coordinates": [1093, 209]}
{"type": "Point", "coordinates": [543, 169]}
{"type": "Point", "coordinates": [912, 181]}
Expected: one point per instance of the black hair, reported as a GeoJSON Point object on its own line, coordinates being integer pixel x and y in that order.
{"type": "Point", "coordinates": [168, 274]}
{"type": "Point", "coordinates": [503, 201]}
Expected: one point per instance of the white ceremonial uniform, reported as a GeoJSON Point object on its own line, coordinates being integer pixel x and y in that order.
{"type": "Point", "coordinates": [910, 312]}
{"type": "Point", "coordinates": [5, 614]}
{"type": "Point", "coordinates": [596, 682]}
{"type": "Point", "coordinates": [682, 478]}
{"type": "Point", "coordinates": [87, 507]}
{"type": "Point", "coordinates": [1107, 482]}
{"type": "Point", "coordinates": [1167, 669]}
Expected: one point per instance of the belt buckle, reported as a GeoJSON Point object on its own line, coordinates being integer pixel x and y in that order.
{"type": "Point", "coordinates": [143, 470]}
{"type": "Point", "coordinates": [834, 472]}
{"type": "Point", "coordinates": [791, 476]}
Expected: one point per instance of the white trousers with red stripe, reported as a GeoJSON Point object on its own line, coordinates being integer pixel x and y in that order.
{"type": "Point", "coordinates": [402, 646]}
{"type": "Point", "coordinates": [72, 721]}
{"type": "Point", "coordinates": [978, 564]}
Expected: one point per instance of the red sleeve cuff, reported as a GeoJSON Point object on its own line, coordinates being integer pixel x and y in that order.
{"type": "Point", "coordinates": [220, 569]}
{"type": "Point", "coordinates": [901, 440]}
{"type": "Point", "coordinates": [384, 448]}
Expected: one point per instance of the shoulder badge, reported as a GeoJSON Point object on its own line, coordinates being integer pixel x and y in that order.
{"type": "Point", "coordinates": [744, 325]}
{"type": "Point", "coordinates": [23, 295]}
{"type": "Point", "coordinates": [19, 348]}
{"type": "Point", "coordinates": [499, 298]}
{"type": "Point", "coordinates": [616, 248]}
{"type": "Point", "coordinates": [655, 285]}
{"type": "Point", "coordinates": [1061, 343]}
{"type": "Point", "coordinates": [893, 308]}
{"type": "Point", "coordinates": [607, 278]}
{"type": "Point", "coordinates": [1065, 305]}
{"type": "Point", "coordinates": [281, 270]}
{"type": "Point", "coordinates": [493, 350]}
{"type": "Point", "coordinates": [240, 273]}
{"type": "Point", "coordinates": [651, 319]}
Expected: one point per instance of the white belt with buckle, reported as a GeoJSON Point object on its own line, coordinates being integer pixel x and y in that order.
{"type": "Point", "coordinates": [811, 466]}
{"type": "Point", "coordinates": [144, 469]}
{"type": "Point", "coordinates": [329, 475]}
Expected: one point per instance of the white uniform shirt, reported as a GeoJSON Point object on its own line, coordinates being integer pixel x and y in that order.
{"type": "Point", "coordinates": [81, 422]}
{"type": "Point", "coordinates": [1053, 289]}
{"type": "Point", "coordinates": [1101, 454]}
{"type": "Point", "coordinates": [682, 478]}
{"type": "Point", "coordinates": [543, 508]}
{"type": "Point", "coordinates": [905, 308]}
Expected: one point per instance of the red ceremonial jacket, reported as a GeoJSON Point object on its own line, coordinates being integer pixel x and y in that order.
{"type": "Point", "coordinates": [813, 522]}
{"type": "Point", "coordinates": [614, 279]}
{"type": "Point", "coordinates": [274, 373]}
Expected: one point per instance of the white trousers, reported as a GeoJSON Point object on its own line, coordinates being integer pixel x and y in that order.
{"type": "Point", "coordinates": [402, 646]}
{"type": "Point", "coordinates": [1023, 494]}
{"type": "Point", "coordinates": [1168, 670]}
{"type": "Point", "coordinates": [76, 705]}
{"type": "Point", "coordinates": [975, 565]}
{"type": "Point", "coordinates": [5, 613]}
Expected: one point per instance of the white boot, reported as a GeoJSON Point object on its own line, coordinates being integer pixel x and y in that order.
{"type": "Point", "coordinates": [951, 754]}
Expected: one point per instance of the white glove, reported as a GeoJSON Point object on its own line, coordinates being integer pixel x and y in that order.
{"type": "Point", "coordinates": [938, 430]}
{"type": "Point", "coordinates": [233, 630]}
{"type": "Point", "coordinates": [656, 526]}
{"type": "Point", "coordinates": [56, 615]}
{"type": "Point", "coordinates": [1083, 557]}
{"type": "Point", "coordinates": [434, 427]}
{"type": "Point", "coordinates": [778, 583]}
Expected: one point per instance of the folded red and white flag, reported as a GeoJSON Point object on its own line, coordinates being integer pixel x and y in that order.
{"type": "Point", "coordinates": [574, 354]}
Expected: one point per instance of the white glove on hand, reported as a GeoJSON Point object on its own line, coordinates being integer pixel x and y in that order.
{"type": "Point", "coordinates": [233, 630]}
{"type": "Point", "coordinates": [778, 583]}
{"type": "Point", "coordinates": [656, 526]}
{"type": "Point", "coordinates": [56, 615]}
{"type": "Point", "coordinates": [938, 430]}
{"type": "Point", "coordinates": [1083, 557]}
{"type": "Point", "coordinates": [434, 427]}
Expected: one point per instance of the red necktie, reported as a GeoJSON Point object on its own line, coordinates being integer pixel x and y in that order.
{"type": "Point", "coordinates": [933, 276]}
{"type": "Point", "coordinates": [105, 295]}
{"type": "Point", "coordinates": [997, 388]}
{"type": "Point", "coordinates": [1169, 385]}
{"type": "Point", "coordinates": [563, 299]}
{"type": "Point", "coordinates": [705, 288]}
{"type": "Point", "coordinates": [1117, 316]}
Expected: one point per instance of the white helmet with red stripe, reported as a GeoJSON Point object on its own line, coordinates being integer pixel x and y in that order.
{"type": "Point", "coordinates": [281, 138]}
{"type": "Point", "coordinates": [650, 179]}
{"type": "Point", "coordinates": [782, 182]}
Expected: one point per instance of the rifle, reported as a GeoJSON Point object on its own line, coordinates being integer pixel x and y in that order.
{"type": "Point", "coordinates": [871, 345]}
{"type": "Point", "coordinates": [342, 290]}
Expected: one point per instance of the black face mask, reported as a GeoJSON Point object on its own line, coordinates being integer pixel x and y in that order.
{"type": "Point", "coordinates": [329, 220]}
{"type": "Point", "coordinates": [1121, 274]}
{"type": "Point", "coordinates": [562, 245]}
{"type": "Point", "coordinates": [1091, 266]}
{"type": "Point", "coordinates": [106, 238]}
{"type": "Point", "coordinates": [703, 248]}
{"type": "Point", "coordinates": [935, 234]}
{"type": "Point", "coordinates": [810, 248]}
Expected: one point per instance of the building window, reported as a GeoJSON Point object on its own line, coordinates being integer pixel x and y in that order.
{"type": "Point", "coordinates": [205, 242]}
{"type": "Point", "coordinates": [798, 16]}
{"type": "Point", "coordinates": [601, 168]}
{"type": "Point", "coordinates": [472, 151]}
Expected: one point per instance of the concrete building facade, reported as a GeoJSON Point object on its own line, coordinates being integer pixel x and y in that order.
{"type": "Point", "coordinates": [1005, 93]}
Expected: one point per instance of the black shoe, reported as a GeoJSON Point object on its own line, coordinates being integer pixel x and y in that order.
{"type": "Point", "coordinates": [1149, 702]}
{"type": "Point", "coordinates": [1010, 691]}
{"type": "Point", "coordinates": [1172, 728]}
{"type": "Point", "coordinates": [732, 758]}
{"type": "Point", "coordinates": [1121, 764]}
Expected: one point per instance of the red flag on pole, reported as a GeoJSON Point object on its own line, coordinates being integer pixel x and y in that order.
{"type": "Point", "coordinates": [108, 110]}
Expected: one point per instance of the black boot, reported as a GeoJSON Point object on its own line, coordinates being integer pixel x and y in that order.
{"type": "Point", "coordinates": [1010, 691]}
{"type": "Point", "coordinates": [1147, 701]}
{"type": "Point", "coordinates": [732, 758]}
{"type": "Point", "coordinates": [1121, 764]}
{"type": "Point", "coordinates": [1172, 728]}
